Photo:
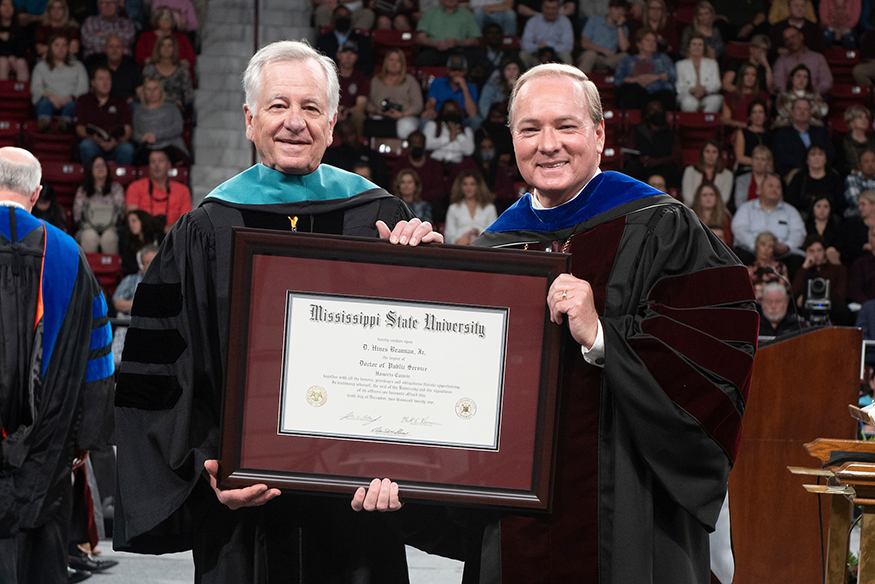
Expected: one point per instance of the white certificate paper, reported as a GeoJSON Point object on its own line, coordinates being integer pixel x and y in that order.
{"type": "Point", "coordinates": [393, 371]}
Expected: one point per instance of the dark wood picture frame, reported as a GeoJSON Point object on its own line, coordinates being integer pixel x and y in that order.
{"type": "Point", "coordinates": [267, 264]}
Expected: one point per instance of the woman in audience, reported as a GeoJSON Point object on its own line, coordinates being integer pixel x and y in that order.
{"type": "Point", "coordinates": [408, 188]}
{"type": "Point", "coordinates": [799, 86]}
{"type": "Point", "coordinates": [656, 20]}
{"type": "Point", "coordinates": [859, 121]}
{"type": "Point", "coordinates": [817, 265]}
{"type": "Point", "coordinates": [164, 25]}
{"type": "Point", "coordinates": [646, 76]}
{"type": "Point", "coordinates": [175, 77]}
{"type": "Point", "coordinates": [57, 82]}
{"type": "Point", "coordinates": [396, 97]}
{"type": "Point", "coordinates": [708, 170]}
{"type": "Point", "coordinates": [747, 90]}
{"type": "Point", "coordinates": [758, 52]}
{"type": "Point", "coordinates": [13, 44]}
{"type": "Point", "coordinates": [703, 23]}
{"type": "Point", "coordinates": [56, 21]}
{"type": "Point", "coordinates": [471, 209]}
{"type": "Point", "coordinates": [698, 85]}
{"type": "Point", "coordinates": [497, 89]}
{"type": "Point", "coordinates": [854, 234]}
{"type": "Point", "coordinates": [445, 137]}
{"type": "Point", "coordinates": [755, 134]}
{"type": "Point", "coordinates": [823, 222]}
{"type": "Point", "coordinates": [813, 179]}
{"type": "Point", "coordinates": [97, 209]}
{"type": "Point", "coordinates": [839, 18]}
{"type": "Point", "coordinates": [142, 230]}
{"type": "Point", "coordinates": [157, 124]}
{"type": "Point", "coordinates": [749, 184]}
{"type": "Point", "coordinates": [765, 258]}
{"type": "Point", "coordinates": [709, 207]}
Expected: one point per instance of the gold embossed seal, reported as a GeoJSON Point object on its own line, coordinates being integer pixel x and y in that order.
{"type": "Point", "coordinates": [466, 408]}
{"type": "Point", "coordinates": [317, 396]}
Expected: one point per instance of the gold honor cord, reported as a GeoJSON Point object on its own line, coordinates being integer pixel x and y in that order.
{"type": "Point", "coordinates": [294, 222]}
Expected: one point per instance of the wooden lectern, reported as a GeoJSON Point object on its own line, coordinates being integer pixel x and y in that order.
{"type": "Point", "coordinates": [800, 391]}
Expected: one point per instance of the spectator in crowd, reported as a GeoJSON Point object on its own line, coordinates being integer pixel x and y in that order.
{"type": "Point", "coordinates": [799, 85]}
{"type": "Point", "coordinates": [13, 44]}
{"type": "Point", "coordinates": [183, 13]}
{"type": "Point", "coordinates": [157, 125]}
{"type": "Point", "coordinates": [864, 71]}
{"type": "Point", "coordinates": [453, 87]}
{"type": "Point", "coordinates": [859, 121]}
{"type": "Point", "coordinates": [330, 42]}
{"type": "Point", "coordinates": [605, 40]}
{"type": "Point", "coordinates": [824, 222]}
{"type": "Point", "coordinates": [698, 84]}
{"type": "Point", "coordinates": [126, 74]}
{"type": "Point", "coordinates": [355, 86]}
{"type": "Point", "coordinates": [760, 268]}
{"type": "Point", "coordinates": [123, 298]}
{"type": "Point", "coordinates": [853, 240]}
{"type": "Point", "coordinates": [495, 172]}
{"type": "Point", "coordinates": [408, 188]}
{"type": "Point", "coordinates": [498, 89]}
{"type": "Point", "coordinates": [708, 170]}
{"type": "Point", "coordinates": [56, 20]}
{"type": "Point", "coordinates": [646, 76]}
{"type": "Point", "coordinates": [446, 137]}
{"type": "Point", "coordinates": [352, 151]}
{"type": "Point", "coordinates": [744, 140]}
{"type": "Point", "coordinates": [108, 22]}
{"type": "Point", "coordinates": [776, 321]}
{"type": "Point", "coordinates": [839, 19]}
{"type": "Point", "coordinates": [471, 209]}
{"type": "Point", "coordinates": [357, 15]}
{"type": "Point", "coordinates": [166, 200]}
{"type": "Point", "coordinates": [657, 181]}
{"type": "Point", "coordinates": [362, 169]}
{"type": "Point", "coordinates": [859, 181]}
{"type": "Point", "coordinates": [495, 126]}
{"type": "Point", "coordinates": [703, 24]}
{"type": "Point", "coordinates": [550, 29]}
{"type": "Point", "coordinates": [136, 11]}
{"type": "Point", "coordinates": [758, 51]}
{"type": "Point", "coordinates": [444, 30]}
{"type": "Point", "coordinates": [498, 12]}
{"type": "Point", "coordinates": [103, 122]}
{"type": "Point", "coordinates": [655, 18]}
{"type": "Point", "coordinates": [741, 21]}
{"type": "Point", "coordinates": [430, 171]}
{"type": "Point", "coordinates": [796, 19]}
{"type": "Point", "coordinates": [747, 90]}
{"type": "Point", "coordinates": [816, 265]}
{"type": "Point", "coordinates": [142, 230]}
{"type": "Point", "coordinates": [769, 213]}
{"type": "Point", "coordinates": [709, 207]}
{"type": "Point", "coordinates": [863, 274]}
{"type": "Point", "coordinates": [792, 142]}
{"type": "Point", "coordinates": [780, 10]}
{"type": "Point", "coordinates": [175, 77]}
{"type": "Point", "coordinates": [58, 81]}
{"type": "Point", "coordinates": [659, 151]}
{"type": "Point", "coordinates": [48, 209]}
{"type": "Point", "coordinates": [98, 208]}
{"type": "Point", "coordinates": [749, 185]}
{"type": "Point", "coordinates": [484, 64]}
{"type": "Point", "coordinates": [395, 99]}
{"type": "Point", "coordinates": [164, 26]}
{"type": "Point", "coordinates": [799, 54]}
{"type": "Point", "coordinates": [815, 179]}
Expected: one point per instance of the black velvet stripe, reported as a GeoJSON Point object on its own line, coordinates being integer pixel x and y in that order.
{"type": "Point", "coordinates": [157, 300]}
{"type": "Point", "coordinates": [147, 392]}
{"type": "Point", "coordinates": [162, 347]}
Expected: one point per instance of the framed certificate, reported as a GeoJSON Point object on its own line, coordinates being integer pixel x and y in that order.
{"type": "Point", "coordinates": [351, 359]}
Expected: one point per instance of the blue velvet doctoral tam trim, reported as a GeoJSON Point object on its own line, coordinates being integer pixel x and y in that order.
{"type": "Point", "coordinates": [261, 185]}
{"type": "Point", "coordinates": [604, 192]}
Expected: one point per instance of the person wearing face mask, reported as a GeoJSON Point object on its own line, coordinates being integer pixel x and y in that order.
{"type": "Point", "coordinates": [329, 43]}
{"type": "Point", "coordinates": [446, 137]}
{"type": "Point", "coordinates": [495, 172]}
{"type": "Point", "coordinates": [430, 171]}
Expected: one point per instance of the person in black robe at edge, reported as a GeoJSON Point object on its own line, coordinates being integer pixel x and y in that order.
{"type": "Point", "coordinates": [660, 337]}
{"type": "Point", "coordinates": [168, 397]}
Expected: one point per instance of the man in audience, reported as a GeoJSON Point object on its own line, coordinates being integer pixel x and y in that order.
{"type": "Point", "coordinates": [605, 40]}
{"type": "Point", "coordinates": [769, 213]}
{"type": "Point", "coordinates": [547, 29]}
{"type": "Point", "coordinates": [126, 74]}
{"type": "Point", "coordinates": [799, 54]}
{"type": "Point", "coordinates": [453, 86]}
{"type": "Point", "coordinates": [430, 171]}
{"type": "Point", "coordinates": [355, 86]}
{"type": "Point", "coordinates": [499, 12]}
{"type": "Point", "coordinates": [657, 148]}
{"type": "Point", "coordinates": [445, 29]}
{"type": "Point", "coordinates": [791, 143]}
{"type": "Point", "coordinates": [157, 194]}
{"type": "Point", "coordinates": [776, 321]}
{"type": "Point", "coordinates": [56, 378]}
{"type": "Point", "coordinates": [352, 151]}
{"type": "Point", "coordinates": [483, 64]}
{"type": "Point", "coordinates": [858, 181]}
{"type": "Point", "coordinates": [812, 34]}
{"type": "Point", "coordinates": [103, 122]}
{"type": "Point", "coordinates": [329, 43]}
{"type": "Point", "coordinates": [97, 29]}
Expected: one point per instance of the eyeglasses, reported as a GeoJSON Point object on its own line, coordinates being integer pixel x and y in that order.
{"type": "Point", "coordinates": [99, 165]}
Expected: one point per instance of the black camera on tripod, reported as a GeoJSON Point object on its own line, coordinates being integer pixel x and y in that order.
{"type": "Point", "coordinates": [817, 301]}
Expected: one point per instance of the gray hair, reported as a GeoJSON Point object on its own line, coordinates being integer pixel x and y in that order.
{"type": "Point", "coordinates": [289, 51]}
{"type": "Point", "coordinates": [590, 91]}
{"type": "Point", "coordinates": [777, 286]}
{"type": "Point", "coordinates": [20, 171]}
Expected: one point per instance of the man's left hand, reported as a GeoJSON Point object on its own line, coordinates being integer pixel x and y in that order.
{"type": "Point", "coordinates": [380, 496]}
{"type": "Point", "coordinates": [573, 297]}
{"type": "Point", "coordinates": [411, 232]}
